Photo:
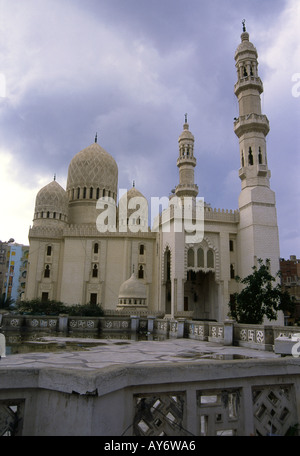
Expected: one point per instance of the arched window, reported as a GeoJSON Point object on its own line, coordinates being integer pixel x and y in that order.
{"type": "Point", "coordinates": [259, 156]}
{"type": "Point", "coordinates": [96, 248]}
{"type": "Point", "coordinates": [47, 271]}
{"type": "Point", "coordinates": [84, 192]}
{"type": "Point", "coordinates": [210, 259]}
{"type": "Point", "coordinates": [48, 214]}
{"type": "Point", "coordinates": [141, 272]}
{"type": "Point", "coordinates": [200, 258]}
{"type": "Point", "coordinates": [97, 193]}
{"type": "Point", "coordinates": [49, 250]}
{"type": "Point", "coordinates": [142, 249]}
{"type": "Point", "coordinates": [78, 193]}
{"type": "Point", "coordinates": [232, 273]}
{"type": "Point", "coordinates": [250, 157]}
{"type": "Point", "coordinates": [243, 160]}
{"type": "Point", "coordinates": [95, 271]}
{"type": "Point", "coordinates": [167, 265]}
{"type": "Point", "coordinates": [91, 192]}
{"type": "Point", "coordinates": [191, 258]}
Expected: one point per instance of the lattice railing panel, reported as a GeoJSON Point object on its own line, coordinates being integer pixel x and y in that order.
{"type": "Point", "coordinates": [159, 415]}
{"type": "Point", "coordinates": [11, 415]}
{"type": "Point", "coordinates": [274, 410]}
{"type": "Point", "coordinates": [219, 412]}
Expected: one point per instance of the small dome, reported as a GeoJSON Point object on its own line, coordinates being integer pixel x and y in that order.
{"type": "Point", "coordinates": [132, 193]}
{"type": "Point", "coordinates": [245, 46]}
{"type": "Point", "coordinates": [124, 211]}
{"type": "Point", "coordinates": [93, 167]}
{"type": "Point", "coordinates": [186, 134]}
{"type": "Point", "coordinates": [132, 294]}
{"type": "Point", "coordinates": [51, 202]}
{"type": "Point", "coordinates": [133, 288]}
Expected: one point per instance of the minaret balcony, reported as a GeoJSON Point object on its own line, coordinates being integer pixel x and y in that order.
{"type": "Point", "coordinates": [252, 171]}
{"type": "Point", "coordinates": [262, 170]}
{"type": "Point", "coordinates": [242, 173]}
{"type": "Point", "coordinates": [251, 122]}
{"type": "Point", "coordinates": [249, 82]}
{"type": "Point", "coordinates": [184, 160]}
{"type": "Point", "coordinates": [186, 190]}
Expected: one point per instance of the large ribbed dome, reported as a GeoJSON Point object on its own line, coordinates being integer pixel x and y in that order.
{"type": "Point", "coordinates": [93, 167]}
{"type": "Point", "coordinates": [51, 203]}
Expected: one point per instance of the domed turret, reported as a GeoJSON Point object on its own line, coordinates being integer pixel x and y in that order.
{"type": "Point", "coordinates": [92, 174]}
{"type": "Point", "coordinates": [51, 205]}
{"type": "Point", "coordinates": [133, 293]}
{"type": "Point", "coordinates": [133, 211]}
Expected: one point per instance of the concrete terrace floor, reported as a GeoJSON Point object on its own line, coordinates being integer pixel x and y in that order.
{"type": "Point", "coordinates": [113, 352]}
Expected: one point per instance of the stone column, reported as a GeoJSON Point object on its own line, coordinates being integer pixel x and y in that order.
{"type": "Point", "coordinates": [150, 327]}
{"type": "Point", "coordinates": [228, 332]}
{"type": "Point", "coordinates": [63, 323]}
{"type": "Point", "coordinates": [134, 323]}
{"type": "Point", "coordinates": [180, 328]}
{"type": "Point", "coordinates": [2, 346]}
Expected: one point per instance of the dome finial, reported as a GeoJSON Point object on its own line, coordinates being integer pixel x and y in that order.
{"type": "Point", "coordinates": [54, 177]}
{"type": "Point", "coordinates": [185, 118]}
{"type": "Point", "coordinates": [244, 25]}
{"type": "Point", "coordinates": [96, 137]}
{"type": "Point", "coordinates": [133, 183]}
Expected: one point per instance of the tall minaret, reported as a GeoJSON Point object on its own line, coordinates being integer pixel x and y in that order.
{"type": "Point", "coordinates": [258, 231]}
{"type": "Point", "coordinates": [186, 163]}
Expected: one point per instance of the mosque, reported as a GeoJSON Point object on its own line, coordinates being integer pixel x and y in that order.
{"type": "Point", "coordinates": [88, 244]}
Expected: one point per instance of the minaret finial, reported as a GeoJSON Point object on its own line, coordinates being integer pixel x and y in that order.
{"type": "Point", "coordinates": [54, 177]}
{"type": "Point", "coordinates": [133, 183]}
{"type": "Point", "coordinates": [244, 25]}
{"type": "Point", "coordinates": [96, 138]}
{"type": "Point", "coordinates": [185, 117]}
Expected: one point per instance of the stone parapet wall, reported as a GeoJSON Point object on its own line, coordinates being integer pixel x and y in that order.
{"type": "Point", "coordinates": [251, 397]}
{"type": "Point", "coordinates": [261, 337]}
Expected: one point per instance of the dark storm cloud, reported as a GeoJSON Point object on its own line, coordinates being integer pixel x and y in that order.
{"type": "Point", "coordinates": [129, 70]}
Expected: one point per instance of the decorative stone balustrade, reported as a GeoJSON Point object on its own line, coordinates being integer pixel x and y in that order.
{"type": "Point", "coordinates": [253, 397]}
{"type": "Point", "coordinates": [261, 337]}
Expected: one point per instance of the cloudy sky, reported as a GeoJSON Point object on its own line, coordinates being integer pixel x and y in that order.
{"type": "Point", "coordinates": [130, 70]}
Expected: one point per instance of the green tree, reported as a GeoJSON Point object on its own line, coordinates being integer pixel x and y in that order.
{"type": "Point", "coordinates": [5, 303]}
{"type": "Point", "coordinates": [261, 296]}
